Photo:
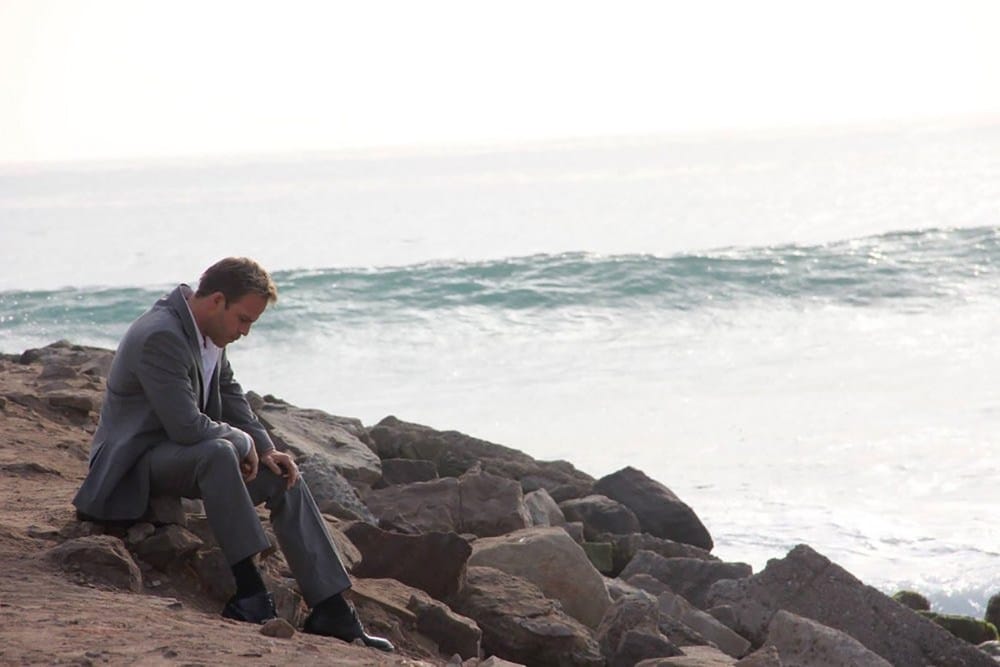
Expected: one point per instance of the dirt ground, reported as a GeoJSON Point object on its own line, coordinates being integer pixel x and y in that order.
{"type": "Point", "coordinates": [47, 617]}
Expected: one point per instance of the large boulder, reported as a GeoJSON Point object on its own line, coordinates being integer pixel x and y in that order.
{"type": "Point", "coordinates": [630, 632]}
{"type": "Point", "coordinates": [685, 624]}
{"type": "Point", "coordinates": [625, 547]}
{"type": "Point", "coordinates": [422, 507]}
{"type": "Point", "coordinates": [694, 656]}
{"type": "Point", "coordinates": [689, 577]}
{"type": "Point", "coordinates": [313, 433]}
{"type": "Point", "coordinates": [766, 656]}
{"type": "Point", "coordinates": [600, 514]}
{"type": "Point", "coordinates": [417, 611]}
{"type": "Point", "coordinates": [99, 559]}
{"type": "Point", "coordinates": [809, 585]}
{"type": "Point", "coordinates": [993, 611]}
{"type": "Point", "coordinates": [551, 560]}
{"type": "Point", "coordinates": [806, 643]}
{"type": "Point", "coordinates": [454, 633]}
{"type": "Point", "coordinates": [476, 503]}
{"type": "Point", "coordinates": [522, 625]}
{"type": "Point", "coordinates": [675, 606]}
{"type": "Point", "coordinates": [82, 360]}
{"type": "Point", "coordinates": [332, 492]}
{"type": "Point", "coordinates": [433, 562]}
{"type": "Point", "coordinates": [913, 600]}
{"type": "Point", "coordinates": [169, 547]}
{"type": "Point", "coordinates": [972, 630]}
{"type": "Point", "coordinates": [455, 453]}
{"type": "Point", "coordinates": [543, 509]}
{"type": "Point", "coordinates": [660, 512]}
{"type": "Point", "coordinates": [406, 471]}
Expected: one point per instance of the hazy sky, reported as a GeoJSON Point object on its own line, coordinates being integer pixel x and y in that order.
{"type": "Point", "coordinates": [134, 78]}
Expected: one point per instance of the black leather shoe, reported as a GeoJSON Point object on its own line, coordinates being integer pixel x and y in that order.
{"type": "Point", "coordinates": [255, 608]}
{"type": "Point", "coordinates": [346, 627]}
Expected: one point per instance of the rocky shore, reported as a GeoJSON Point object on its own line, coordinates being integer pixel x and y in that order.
{"type": "Point", "coordinates": [462, 552]}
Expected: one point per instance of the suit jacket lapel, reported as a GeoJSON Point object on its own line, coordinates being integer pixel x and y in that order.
{"type": "Point", "coordinates": [178, 303]}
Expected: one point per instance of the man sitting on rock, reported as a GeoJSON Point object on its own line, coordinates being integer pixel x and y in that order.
{"type": "Point", "coordinates": [176, 423]}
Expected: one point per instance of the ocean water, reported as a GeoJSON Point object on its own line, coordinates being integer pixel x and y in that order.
{"type": "Point", "coordinates": [796, 333]}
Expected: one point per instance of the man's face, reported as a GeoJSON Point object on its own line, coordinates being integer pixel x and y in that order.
{"type": "Point", "coordinates": [230, 321]}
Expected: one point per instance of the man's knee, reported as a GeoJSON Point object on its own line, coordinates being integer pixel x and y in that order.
{"type": "Point", "coordinates": [218, 453]}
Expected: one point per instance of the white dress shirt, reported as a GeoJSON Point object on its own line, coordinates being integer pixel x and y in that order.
{"type": "Point", "coordinates": [210, 355]}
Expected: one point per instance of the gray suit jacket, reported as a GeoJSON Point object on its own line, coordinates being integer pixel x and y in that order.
{"type": "Point", "coordinates": [154, 392]}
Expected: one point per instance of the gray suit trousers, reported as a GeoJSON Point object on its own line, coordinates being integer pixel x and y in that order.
{"type": "Point", "coordinates": [210, 470]}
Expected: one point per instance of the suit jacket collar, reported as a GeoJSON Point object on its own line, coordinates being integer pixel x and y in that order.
{"type": "Point", "coordinates": [177, 302]}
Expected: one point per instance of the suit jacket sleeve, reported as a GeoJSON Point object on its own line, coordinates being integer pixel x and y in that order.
{"type": "Point", "coordinates": [236, 410]}
{"type": "Point", "coordinates": [162, 372]}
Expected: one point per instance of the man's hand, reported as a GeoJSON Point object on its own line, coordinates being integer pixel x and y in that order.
{"type": "Point", "coordinates": [283, 465]}
{"type": "Point", "coordinates": [249, 464]}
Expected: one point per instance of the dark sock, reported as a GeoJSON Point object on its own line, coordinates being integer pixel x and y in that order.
{"type": "Point", "coordinates": [248, 581]}
{"type": "Point", "coordinates": [334, 606]}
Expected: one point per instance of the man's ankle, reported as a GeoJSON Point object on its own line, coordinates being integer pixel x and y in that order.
{"type": "Point", "coordinates": [248, 579]}
{"type": "Point", "coordinates": [334, 606]}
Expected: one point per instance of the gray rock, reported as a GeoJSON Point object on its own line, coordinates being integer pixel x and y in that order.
{"type": "Point", "coordinates": [575, 530]}
{"type": "Point", "coordinates": [689, 577]}
{"type": "Point", "coordinates": [491, 505]}
{"type": "Point", "coordinates": [455, 453]}
{"type": "Point", "coordinates": [806, 643]}
{"type": "Point", "coordinates": [314, 433]}
{"type": "Point", "coordinates": [913, 600]}
{"type": "Point", "coordinates": [434, 562]}
{"type": "Point", "coordinates": [627, 546]}
{"type": "Point", "coordinates": [138, 532]}
{"type": "Point", "coordinates": [288, 601]}
{"type": "Point", "coordinates": [618, 588]}
{"type": "Point", "coordinates": [767, 656]}
{"type": "Point", "coordinates": [552, 561]}
{"type": "Point", "coordinates": [676, 607]}
{"type": "Point", "coordinates": [694, 656]}
{"type": "Point", "coordinates": [277, 627]}
{"type": "Point", "coordinates": [543, 509]}
{"type": "Point", "coordinates": [70, 400]}
{"type": "Point", "coordinates": [417, 508]}
{"type": "Point", "coordinates": [993, 611]}
{"type": "Point", "coordinates": [630, 632]}
{"type": "Point", "coordinates": [660, 512]}
{"type": "Point", "coordinates": [990, 648]}
{"type": "Point", "coordinates": [520, 624]}
{"type": "Point", "coordinates": [169, 547]}
{"type": "Point", "coordinates": [648, 583]}
{"type": "Point", "coordinates": [192, 506]}
{"type": "Point", "coordinates": [599, 554]}
{"type": "Point", "coordinates": [99, 559]}
{"type": "Point", "coordinates": [43, 532]}
{"type": "Point", "coordinates": [28, 469]}
{"type": "Point", "coordinates": [724, 614]}
{"type": "Point", "coordinates": [480, 504]}
{"type": "Point", "coordinates": [494, 661]}
{"type": "Point", "coordinates": [453, 633]}
{"type": "Point", "coordinates": [164, 510]}
{"type": "Point", "coordinates": [91, 361]}
{"type": "Point", "coordinates": [809, 585]}
{"type": "Point", "coordinates": [600, 514]}
{"type": "Point", "coordinates": [213, 573]}
{"type": "Point", "coordinates": [332, 492]}
{"type": "Point", "coordinates": [406, 471]}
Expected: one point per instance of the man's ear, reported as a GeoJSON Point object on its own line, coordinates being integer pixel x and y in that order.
{"type": "Point", "coordinates": [218, 299]}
